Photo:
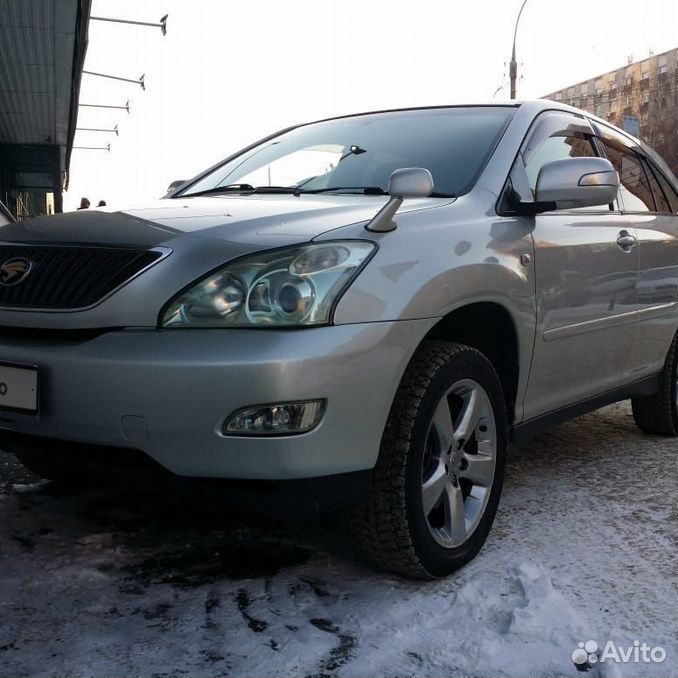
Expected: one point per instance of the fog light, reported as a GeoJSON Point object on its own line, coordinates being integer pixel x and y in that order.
{"type": "Point", "coordinates": [275, 419]}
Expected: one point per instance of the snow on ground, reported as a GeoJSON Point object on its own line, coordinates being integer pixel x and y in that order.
{"type": "Point", "coordinates": [123, 581]}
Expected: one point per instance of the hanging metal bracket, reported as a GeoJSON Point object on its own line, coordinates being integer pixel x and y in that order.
{"type": "Point", "coordinates": [162, 24]}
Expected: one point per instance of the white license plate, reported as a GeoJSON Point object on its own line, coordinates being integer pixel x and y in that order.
{"type": "Point", "coordinates": [18, 388]}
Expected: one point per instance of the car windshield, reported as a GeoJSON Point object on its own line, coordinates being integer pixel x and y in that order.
{"type": "Point", "coordinates": [358, 154]}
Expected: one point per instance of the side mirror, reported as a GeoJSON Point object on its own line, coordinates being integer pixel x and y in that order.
{"type": "Point", "coordinates": [408, 182]}
{"type": "Point", "coordinates": [174, 185]}
{"type": "Point", "coordinates": [576, 182]}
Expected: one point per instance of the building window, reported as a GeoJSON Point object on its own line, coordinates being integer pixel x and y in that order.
{"type": "Point", "coordinates": [663, 68]}
{"type": "Point", "coordinates": [558, 96]}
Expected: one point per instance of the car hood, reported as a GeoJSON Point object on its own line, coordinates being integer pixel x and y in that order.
{"type": "Point", "coordinates": [195, 235]}
{"type": "Point", "coordinates": [256, 219]}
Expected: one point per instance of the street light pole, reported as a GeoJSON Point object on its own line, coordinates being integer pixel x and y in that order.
{"type": "Point", "coordinates": [513, 66]}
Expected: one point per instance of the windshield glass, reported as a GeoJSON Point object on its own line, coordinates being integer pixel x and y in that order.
{"type": "Point", "coordinates": [361, 152]}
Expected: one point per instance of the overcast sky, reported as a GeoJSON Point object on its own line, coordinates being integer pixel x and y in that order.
{"type": "Point", "coordinates": [231, 71]}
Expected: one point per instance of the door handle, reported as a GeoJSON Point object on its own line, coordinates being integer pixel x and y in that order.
{"type": "Point", "coordinates": [626, 241]}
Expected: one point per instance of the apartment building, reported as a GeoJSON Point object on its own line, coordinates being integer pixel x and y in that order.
{"type": "Point", "coordinates": [641, 97]}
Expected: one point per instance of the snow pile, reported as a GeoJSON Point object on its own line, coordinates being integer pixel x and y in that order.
{"type": "Point", "coordinates": [117, 583]}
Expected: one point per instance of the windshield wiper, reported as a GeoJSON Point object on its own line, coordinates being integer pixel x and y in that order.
{"type": "Point", "coordinates": [294, 190]}
{"type": "Point", "coordinates": [368, 190]}
{"type": "Point", "coordinates": [365, 190]}
{"type": "Point", "coordinates": [230, 188]}
{"type": "Point", "coordinates": [243, 188]}
{"type": "Point", "coordinates": [276, 189]}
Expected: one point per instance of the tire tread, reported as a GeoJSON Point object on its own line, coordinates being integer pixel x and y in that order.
{"type": "Point", "coordinates": [657, 413]}
{"type": "Point", "coordinates": [381, 524]}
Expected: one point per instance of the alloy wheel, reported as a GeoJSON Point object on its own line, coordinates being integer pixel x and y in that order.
{"type": "Point", "coordinates": [459, 463]}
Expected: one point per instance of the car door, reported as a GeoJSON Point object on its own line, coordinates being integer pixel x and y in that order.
{"type": "Point", "coordinates": [651, 201]}
{"type": "Point", "coordinates": [586, 270]}
{"type": "Point", "coordinates": [658, 278]}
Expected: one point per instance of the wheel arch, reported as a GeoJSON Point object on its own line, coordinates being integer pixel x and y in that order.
{"type": "Point", "coordinates": [490, 328]}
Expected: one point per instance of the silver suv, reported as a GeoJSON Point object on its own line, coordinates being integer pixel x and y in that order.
{"type": "Point", "coordinates": [359, 310]}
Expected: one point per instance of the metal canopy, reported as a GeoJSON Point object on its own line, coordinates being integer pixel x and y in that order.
{"type": "Point", "coordinates": [42, 53]}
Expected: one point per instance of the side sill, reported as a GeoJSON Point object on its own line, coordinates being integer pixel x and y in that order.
{"type": "Point", "coordinates": [525, 432]}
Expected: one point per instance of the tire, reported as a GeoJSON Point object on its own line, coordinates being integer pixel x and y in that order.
{"type": "Point", "coordinates": [403, 527]}
{"type": "Point", "coordinates": [658, 413]}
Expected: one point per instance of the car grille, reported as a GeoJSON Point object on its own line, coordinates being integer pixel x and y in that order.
{"type": "Point", "coordinates": [70, 277]}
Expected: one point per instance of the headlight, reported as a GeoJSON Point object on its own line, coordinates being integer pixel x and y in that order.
{"type": "Point", "coordinates": [284, 287]}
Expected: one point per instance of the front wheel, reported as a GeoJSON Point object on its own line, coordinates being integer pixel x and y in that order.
{"type": "Point", "coordinates": [441, 465]}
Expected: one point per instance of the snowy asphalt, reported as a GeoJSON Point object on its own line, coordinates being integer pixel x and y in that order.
{"type": "Point", "coordinates": [124, 582]}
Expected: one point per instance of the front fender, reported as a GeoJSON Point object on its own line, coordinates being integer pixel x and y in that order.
{"type": "Point", "coordinates": [429, 269]}
{"type": "Point", "coordinates": [440, 260]}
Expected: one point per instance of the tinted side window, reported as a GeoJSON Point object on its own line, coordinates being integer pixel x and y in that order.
{"type": "Point", "coordinates": [635, 187]}
{"type": "Point", "coordinates": [669, 193]}
{"type": "Point", "coordinates": [659, 197]}
{"type": "Point", "coordinates": [554, 135]}
{"type": "Point", "coordinates": [555, 148]}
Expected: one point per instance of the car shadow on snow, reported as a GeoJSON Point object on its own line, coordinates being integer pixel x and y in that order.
{"type": "Point", "coordinates": [187, 535]}
{"type": "Point", "coordinates": [183, 535]}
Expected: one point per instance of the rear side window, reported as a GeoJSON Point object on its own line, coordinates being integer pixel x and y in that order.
{"type": "Point", "coordinates": [659, 197]}
{"type": "Point", "coordinates": [669, 199]}
{"type": "Point", "coordinates": [635, 187]}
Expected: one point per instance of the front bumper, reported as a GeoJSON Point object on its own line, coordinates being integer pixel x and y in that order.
{"type": "Point", "coordinates": [167, 393]}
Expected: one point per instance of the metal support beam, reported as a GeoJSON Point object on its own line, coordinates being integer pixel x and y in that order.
{"type": "Point", "coordinates": [162, 24]}
{"type": "Point", "coordinates": [120, 108]}
{"type": "Point", "coordinates": [114, 130]}
{"type": "Point", "coordinates": [93, 148]}
{"type": "Point", "coordinates": [140, 81]}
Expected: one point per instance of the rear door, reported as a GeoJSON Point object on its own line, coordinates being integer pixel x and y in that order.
{"type": "Point", "coordinates": [586, 281]}
{"type": "Point", "coordinates": [651, 202]}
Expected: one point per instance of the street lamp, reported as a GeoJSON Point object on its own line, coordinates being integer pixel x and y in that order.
{"type": "Point", "coordinates": [513, 66]}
